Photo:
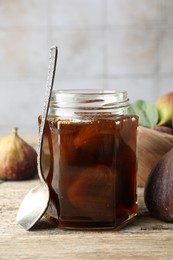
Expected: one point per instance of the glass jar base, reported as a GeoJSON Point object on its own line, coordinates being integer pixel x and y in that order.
{"type": "Point", "coordinates": [83, 226]}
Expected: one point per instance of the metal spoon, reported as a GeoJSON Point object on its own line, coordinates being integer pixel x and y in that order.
{"type": "Point", "coordinates": [36, 201]}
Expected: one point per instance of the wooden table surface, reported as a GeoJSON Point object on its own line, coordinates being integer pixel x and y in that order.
{"type": "Point", "coordinates": [144, 238]}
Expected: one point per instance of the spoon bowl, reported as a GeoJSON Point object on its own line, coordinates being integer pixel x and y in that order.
{"type": "Point", "coordinates": [33, 206]}
{"type": "Point", "coordinates": [36, 201]}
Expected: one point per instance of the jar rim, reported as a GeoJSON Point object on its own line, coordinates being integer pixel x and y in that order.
{"type": "Point", "coordinates": [84, 94]}
{"type": "Point", "coordinates": [89, 91]}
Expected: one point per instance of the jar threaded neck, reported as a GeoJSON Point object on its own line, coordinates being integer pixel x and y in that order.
{"type": "Point", "coordinates": [73, 102]}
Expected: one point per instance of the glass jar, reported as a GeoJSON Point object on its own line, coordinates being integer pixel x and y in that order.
{"type": "Point", "coordinates": [89, 159]}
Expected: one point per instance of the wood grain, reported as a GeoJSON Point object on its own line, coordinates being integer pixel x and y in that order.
{"type": "Point", "coordinates": [152, 145]}
{"type": "Point", "coordinates": [144, 238]}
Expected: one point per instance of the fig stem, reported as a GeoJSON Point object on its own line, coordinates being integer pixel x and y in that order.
{"type": "Point", "coordinates": [14, 131]}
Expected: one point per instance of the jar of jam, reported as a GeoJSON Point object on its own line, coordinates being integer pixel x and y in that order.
{"type": "Point", "coordinates": [89, 159]}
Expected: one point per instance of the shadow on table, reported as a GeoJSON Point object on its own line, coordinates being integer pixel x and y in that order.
{"type": "Point", "coordinates": [43, 224]}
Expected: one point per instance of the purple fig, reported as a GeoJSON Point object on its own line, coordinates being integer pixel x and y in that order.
{"type": "Point", "coordinates": [158, 192]}
{"type": "Point", "coordinates": [164, 129]}
{"type": "Point", "coordinates": [164, 106]}
{"type": "Point", "coordinates": [18, 160]}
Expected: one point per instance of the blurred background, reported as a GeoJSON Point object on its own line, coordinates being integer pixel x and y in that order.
{"type": "Point", "coordinates": [110, 44]}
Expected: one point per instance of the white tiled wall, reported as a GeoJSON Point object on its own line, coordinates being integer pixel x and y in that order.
{"type": "Point", "coordinates": [116, 44]}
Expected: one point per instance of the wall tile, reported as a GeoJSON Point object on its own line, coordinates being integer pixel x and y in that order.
{"type": "Point", "coordinates": [167, 17]}
{"type": "Point", "coordinates": [20, 13]}
{"type": "Point", "coordinates": [23, 53]}
{"type": "Point", "coordinates": [165, 85]}
{"type": "Point", "coordinates": [133, 12]}
{"type": "Point", "coordinates": [80, 52]}
{"type": "Point", "coordinates": [80, 83]}
{"type": "Point", "coordinates": [132, 51]}
{"type": "Point", "coordinates": [22, 103]}
{"type": "Point", "coordinates": [165, 56]}
{"type": "Point", "coordinates": [76, 13]}
{"type": "Point", "coordinates": [112, 44]}
{"type": "Point", "coordinates": [137, 88]}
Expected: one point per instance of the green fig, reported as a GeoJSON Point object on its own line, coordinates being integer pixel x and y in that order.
{"type": "Point", "coordinates": [164, 106]}
{"type": "Point", "coordinates": [18, 160]}
{"type": "Point", "coordinates": [158, 191]}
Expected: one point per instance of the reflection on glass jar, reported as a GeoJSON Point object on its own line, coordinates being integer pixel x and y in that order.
{"type": "Point", "coordinates": [89, 159]}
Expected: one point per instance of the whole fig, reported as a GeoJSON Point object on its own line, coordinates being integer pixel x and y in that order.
{"type": "Point", "coordinates": [164, 106]}
{"type": "Point", "coordinates": [18, 160]}
{"type": "Point", "coordinates": [164, 129]}
{"type": "Point", "coordinates": [158, 192]}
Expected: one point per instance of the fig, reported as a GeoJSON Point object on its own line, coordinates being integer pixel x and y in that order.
{"type": "Point", "coordinates": [88, 137]}
{"type": "Point", "coordinates": [158, 191]}
{"type": "Point", "coordinates": [94, 189]}
{"type": "Point", "coordinates": [164, 129]}
{"type": "Point", "coordinates": [18, 160]}
{"type": "Point", "coordinates": [164, 106]}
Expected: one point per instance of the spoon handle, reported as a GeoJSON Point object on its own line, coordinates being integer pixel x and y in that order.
{"type": "Point", "coordinates": [50, 80]}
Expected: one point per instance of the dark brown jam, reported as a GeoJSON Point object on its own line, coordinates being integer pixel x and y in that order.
{"type": "Point", "coordinates": [90, 167]}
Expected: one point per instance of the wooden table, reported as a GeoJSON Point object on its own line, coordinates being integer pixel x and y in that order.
{"type": "Point", "coordinates": [144, 238]}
